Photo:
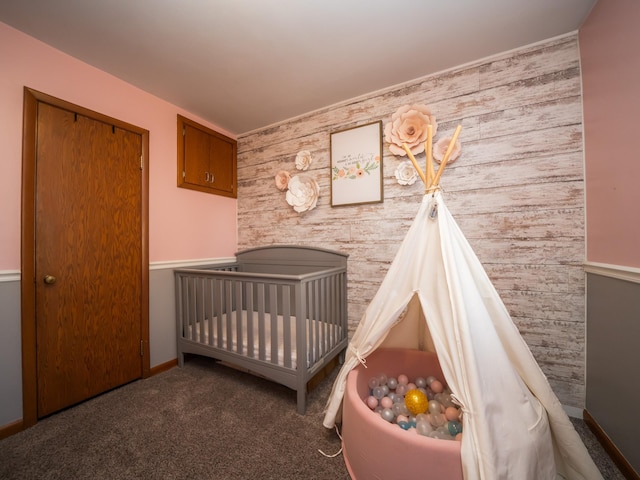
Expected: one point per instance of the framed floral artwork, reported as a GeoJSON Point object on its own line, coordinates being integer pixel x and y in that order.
{"type": "Point", "coordinates": [356, 165]}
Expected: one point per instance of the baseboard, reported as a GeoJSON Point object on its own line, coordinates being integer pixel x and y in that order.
{"type": "Point", "coordinates": [163, 367]}
{"type": "Point", "coordinates": [625, 467]}
{"type": "Point", "coordinates": [11, 429]}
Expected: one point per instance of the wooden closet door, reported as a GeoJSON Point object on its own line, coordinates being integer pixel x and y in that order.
{"type": "Point", "coordinates": [87, 257]}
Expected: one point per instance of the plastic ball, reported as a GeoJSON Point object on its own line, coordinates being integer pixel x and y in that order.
{"type": "Point", "coordinates": [392, 383]}
{"type": "Point", "coordinates": [386, 402]}
{"type": "Point", "coordinates": [424, 428]}
{"type": "Point", "coordinates": [378, 392]}
{"type": "Point", "coordinates": [438, 420]}
{"type": "Point", "coordinates": [401, 389]}
{"type": "Point", "coordinates": [387, 414]}
{"type": "Point", "coordinates": [454, 427]}
{"type": "Point", "coordinates": [421, 382]}
{"type": "Point", "coordinates": [416, 401]}
{"type": "Point", "coordinates": [451, 413]}
{"type": "Point", "coordinates": [373, 382]}
{"type": "Point", "coordinates": [434, 406]}
{"type": "Point", "coordinates": [436, 386]}
{"type": "Point", "coordinates": [403, 379]}
{"type": "Point", "coordinates": [382, 378]}
{"type": "Point", "coordinates": [372, 402]}
{"type": "Point", "coordinates": [404, 425]}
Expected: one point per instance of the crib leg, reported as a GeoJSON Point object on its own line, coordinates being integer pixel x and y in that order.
{"type": "Point", "coordinates": [180, 359]}
{"type": "Point", "coordinates": [302, 400]}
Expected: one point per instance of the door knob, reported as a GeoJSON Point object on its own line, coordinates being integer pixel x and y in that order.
{"type": "Point", "coordinates": [49, 279]}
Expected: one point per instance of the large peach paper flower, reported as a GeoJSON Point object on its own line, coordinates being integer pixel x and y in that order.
{"type": "Point", "coordinates": [303, 193]}
{"type": "Point", "coordinates": [409, 125]}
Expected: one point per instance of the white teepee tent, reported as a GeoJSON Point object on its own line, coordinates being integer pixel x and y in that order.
{"type": "Point", "coordinates": [436, 296]}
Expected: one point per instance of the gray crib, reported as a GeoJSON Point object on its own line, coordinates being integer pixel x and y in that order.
{"type": "Point", "coordinates": [279, 311]}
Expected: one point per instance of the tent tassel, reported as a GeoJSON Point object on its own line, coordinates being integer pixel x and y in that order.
{"type": "Point", "coordinates": [360, 358]}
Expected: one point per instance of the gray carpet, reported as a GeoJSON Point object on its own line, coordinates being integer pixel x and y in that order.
{"type": "Point", "coordinates": [203, 421]}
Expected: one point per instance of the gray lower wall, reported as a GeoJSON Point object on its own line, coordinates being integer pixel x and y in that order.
{"type": "Point", "coordinates": [10, 350]}
{"type": "Point", "coordinates": [613, 360]}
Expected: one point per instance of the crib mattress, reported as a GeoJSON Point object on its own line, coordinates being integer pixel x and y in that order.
{"type": "Point", "coordinates": [261, 346]}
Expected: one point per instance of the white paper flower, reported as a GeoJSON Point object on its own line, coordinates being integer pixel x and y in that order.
{"type": "Point", "coordinates": [406, 173]}
{"type": "Point", "coordinates": [303, 193]}
{"type": "Point", "coordinates": [303, 159]}
{"type": "Point", "coordinates": [440, 148]}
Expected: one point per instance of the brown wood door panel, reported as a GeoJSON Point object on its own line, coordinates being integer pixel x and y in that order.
{"type": "Point", "coordinates": [88, 233]}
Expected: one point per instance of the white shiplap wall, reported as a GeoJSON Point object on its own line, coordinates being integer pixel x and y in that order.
{"type": "Point", "coordinates": [516, 192]}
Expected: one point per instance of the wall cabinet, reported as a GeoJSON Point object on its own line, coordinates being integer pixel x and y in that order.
{"type": "Point", "coordinates": [206, 159]}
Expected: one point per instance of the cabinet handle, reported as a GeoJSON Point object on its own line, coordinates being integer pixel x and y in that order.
{"type": "Point", "coordinates": [212, 178]}
{"type": "Point", "coordinates": [206, 177]}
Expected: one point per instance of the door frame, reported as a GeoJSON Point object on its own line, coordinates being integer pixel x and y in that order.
{"type": "Point", "coordinates": [28, 243]}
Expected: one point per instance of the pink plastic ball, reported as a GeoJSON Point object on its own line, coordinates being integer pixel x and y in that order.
{"type": "Point", "coordinates": [451, 413]}
{"type": "Point", "coordinates": [436, 386]}
{"type": "Point", "coordinates": [372, 402]}
{"type": "Point", "coordinates": [386, 402]}
{"type": "Point", "coordinates": [403, 379]}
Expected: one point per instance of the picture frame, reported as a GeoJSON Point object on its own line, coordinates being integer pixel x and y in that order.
{"type": "Point", "coordinates": [356, 165]}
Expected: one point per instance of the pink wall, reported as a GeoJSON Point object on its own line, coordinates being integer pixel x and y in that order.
{"type": "Point", "coordinates": [183, 224]}
{"type": "Point", "coordinates": [610, 62]}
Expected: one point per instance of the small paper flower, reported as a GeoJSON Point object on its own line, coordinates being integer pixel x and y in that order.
{"type": "Point", "coordinates": [303, 193]}
{"type": "Point", "coordinates": [406, 173]}
{"type": "Point", "coordinates": [303, 159]}
{"type": "Point", "coordinates": [282, 180]}
{"type": "Point", "coordinates": [409, 125]}
{"type": "Point", "coordinates": [441, 146]}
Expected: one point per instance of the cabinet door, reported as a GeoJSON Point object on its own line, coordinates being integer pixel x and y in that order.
{"type": "Point", "coordinates": [197, 147]}
{"type": "Point", "coordinates": [206, 159]}
{"type": "Point", "coordinates": [222, 165]}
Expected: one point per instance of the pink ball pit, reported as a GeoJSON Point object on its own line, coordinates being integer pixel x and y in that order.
{"type": "Point", "coordinates": [375, 448]}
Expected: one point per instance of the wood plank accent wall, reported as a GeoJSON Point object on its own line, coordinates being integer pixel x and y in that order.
{"type": "Point", "coordinates": [517, 192]}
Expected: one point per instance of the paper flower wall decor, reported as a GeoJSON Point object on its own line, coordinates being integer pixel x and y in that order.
{"type": "Point", "coordinates": [282, 180]}
{"type": "Point", "coordinates": [302, 191]}
{"type": "Point", "coordinates": [409, 125]}
{"type": "Point", "coordinates": [441, 146]}
{"type": "Point", "coordinates": [303, 159]}
{"type": "Point", "coordinates": [405, 173]}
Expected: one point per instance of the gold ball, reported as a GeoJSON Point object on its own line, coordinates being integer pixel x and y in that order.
{"type": "Point", "coordinates": [416, 401]}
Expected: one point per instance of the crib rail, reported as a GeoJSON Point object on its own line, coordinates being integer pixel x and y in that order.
{"type": "Point", "coordinates": [283, 320]}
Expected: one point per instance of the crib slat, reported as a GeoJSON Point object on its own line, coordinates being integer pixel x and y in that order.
{"type": "Point", "coordinates": [250, 315]}
{"type": "Point", "coordinates": [261, 332]}
{"type": "Point", "coordinates": [286, 325]}
{"type": "Point", "coordinates": [273, 310]}
{"type": "Point", "coordinates": [239, 318]}
{"type": "Point", "coordinates": [221, 311]}
{"type": "Point", "coordinates": [209, 308]}
{"type": "Point", "coordinates": [228, 304]}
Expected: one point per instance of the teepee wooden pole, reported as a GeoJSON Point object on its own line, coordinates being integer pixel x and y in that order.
{"type": "Point", "coordinates": [445, 159]}
{"type": "Point", "coordinates": [415, 163]}
{"type": "Point", "coordinates": [428, 148]}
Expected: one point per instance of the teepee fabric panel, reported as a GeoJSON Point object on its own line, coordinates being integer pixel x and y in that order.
{"type": "Point", "coordinates": [436, 296]}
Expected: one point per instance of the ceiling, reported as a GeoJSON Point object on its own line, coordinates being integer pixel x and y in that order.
{"type": "Point", "coordinates": [246, 64]}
